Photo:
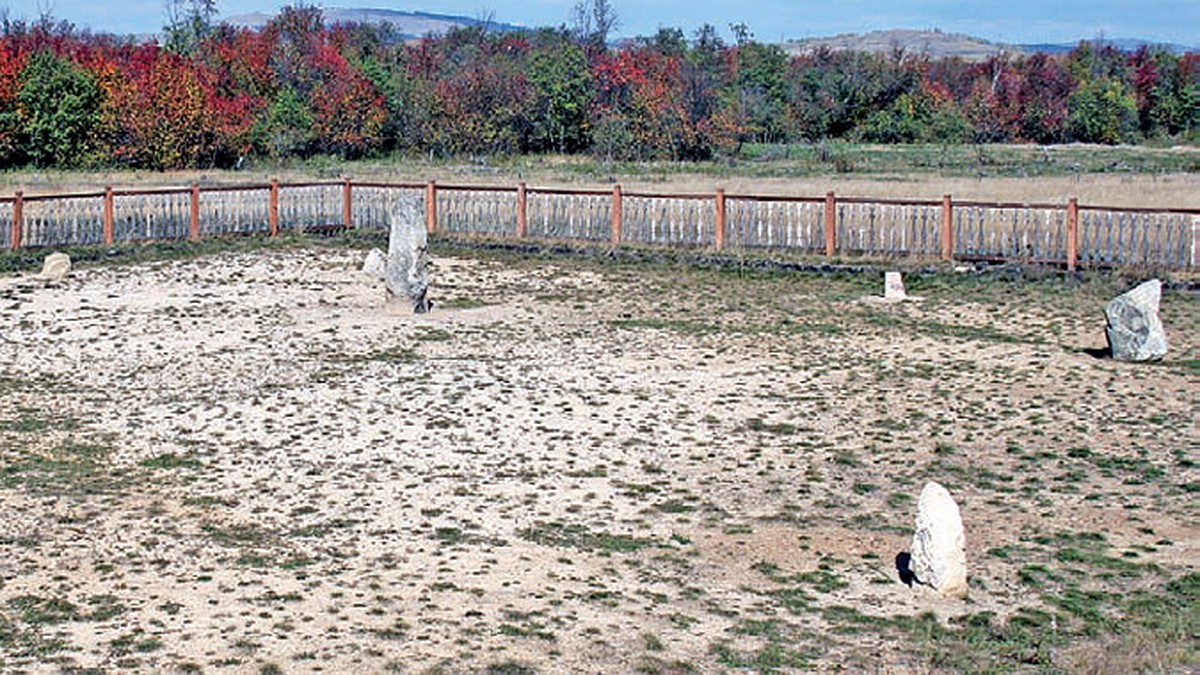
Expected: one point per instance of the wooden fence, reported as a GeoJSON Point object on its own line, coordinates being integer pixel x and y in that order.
{"type": "Point", "coordinates": [1069, 235]}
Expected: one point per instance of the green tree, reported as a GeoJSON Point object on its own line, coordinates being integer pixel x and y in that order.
{"type": "Point", "coordinates": [1167, 88]}
{"type": "Point", "coordinates": [1102, 111]}
{"type": "Point", "coordinates": [759, 88]}
{"type": "Point", "coordinates": [59, 107]}
{"type": "Point", "coordinates": [918, 117]}
{"type": "Point", "coordinates": [287, 127]}
{"type": "Point", "coordinates": [561, 92]}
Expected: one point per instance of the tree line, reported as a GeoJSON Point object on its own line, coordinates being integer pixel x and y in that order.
{"type": "Point", "coordinates": [215, 95]}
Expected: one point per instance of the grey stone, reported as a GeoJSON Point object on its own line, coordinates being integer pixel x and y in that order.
{"type": "Point", "coordinates": [56, 266]}
{"type": "Point", "coordinates": [376, 264]}
{"type": "Point", "coordinates": [1134, 330]}
{"type": "Point", "coordinates": [939, 557]}
{"type": "Point", "coordinates": [407, 272]}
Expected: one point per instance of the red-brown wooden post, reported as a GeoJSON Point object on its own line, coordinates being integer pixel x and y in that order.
{"type": "Point", "coordinates": [17, 215]}
{"type": "Point", "coordinates": [947, 228]}
{"type": "Point", "coordinates": [108, 215]}
{"type": "Point", "coordinates": [616, 216]}
{"type": "Point", "coordinates": [431, 207]}
{"type": "Point", "coordinates": [1072, 233]}
{"type": "Point", "coordinates": [347, 206]}
{"type": "Point", "coordinates": [719, 239]}
{"type": "Point", "coordinates": [830, 223]}
{"type": "Point", "coordinates": [273, 207]}
{"type": "Point", "coordinates": [522, 212]}
{"type": "Point", "coordinates": [194, 222]}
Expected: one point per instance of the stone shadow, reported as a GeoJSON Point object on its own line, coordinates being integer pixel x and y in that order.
{"type": "Point", "coordinates": [904, 568]}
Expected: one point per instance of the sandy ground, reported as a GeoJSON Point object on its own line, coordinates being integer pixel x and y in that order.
{"type": "Point", "coordinates": [252, 462]}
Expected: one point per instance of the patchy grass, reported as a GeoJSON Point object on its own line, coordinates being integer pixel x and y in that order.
{"type": "Point", "coordinates": [668, 464]}
{"type": "Point", "coordinates": [584, 538]}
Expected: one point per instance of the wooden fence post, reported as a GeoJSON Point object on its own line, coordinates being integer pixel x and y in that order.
{"type": "Point", "coordinates": [947, 228]}
{"type": "Point", "coordinates": [830, 223]}
{"type": "Point", "coordinates": [273, 207]}
{"type": "Point", "coordinates": [719, 243]}
{"type": "Point", "coordinates": [522, 212]}
{"type": "Point", "coordinates": [1195, 241]}
{"type": "Point", "coordinates": [108, 215]}
{"type": "Point", "coordinates": [1072, 233]}
{"type": "Point", "coordinates": [194, 221]}
{"type": "Point", "coordinates": [616, 215]}
{"type": "Point", "coordinates": [431, 207]}
{"type": "Point", "coordinates": [347, 206]}
{"type": "Point", "coordinates": [17, 215]}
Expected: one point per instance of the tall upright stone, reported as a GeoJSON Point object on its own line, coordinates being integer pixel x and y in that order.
{"type": "Point", "coordinates": [405, 267]}
{"type": "Point", "coordinates": [939, 557]}
{"type": "Point", "coordinates": [1134, 331]}
{"type": "Point", "coordinates": [408, 255]}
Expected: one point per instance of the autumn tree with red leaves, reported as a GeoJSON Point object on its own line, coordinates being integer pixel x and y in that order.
{"type": "Point", "coordinates": [298, 88]}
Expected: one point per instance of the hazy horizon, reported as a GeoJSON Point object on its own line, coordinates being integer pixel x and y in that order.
{"type": "Point", "coordinates": [1017, 22]}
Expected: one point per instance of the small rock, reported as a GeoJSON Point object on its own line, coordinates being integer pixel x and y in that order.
{"type": "Point", "coordinates": [893, 286]}
{"type": "Point", "coordinates": [56, 266]}
{"type": "Point", "coordinates": [939, 557]}
{"type": "Point", "coordinates": [1134, 330]}
{"type": "Point", "coordinates": [375, 265]}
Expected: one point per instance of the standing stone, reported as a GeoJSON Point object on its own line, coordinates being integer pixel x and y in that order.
{"type": "Point", "coordinates": [1134, 331]}
{"type": "Point", "coordinates": [893, 286]}
{"type": "Point", "coordinates": [407, 272]}
{"type": "Point", "coordinates": [939, 557]}
{"type": "Point", "coordinates": [56, 266]}
{"type": "Point", "coordinates": [405, 267]}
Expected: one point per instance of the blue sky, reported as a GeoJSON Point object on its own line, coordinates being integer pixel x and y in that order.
{"type": "Point", "coordinates": [1016, 21]}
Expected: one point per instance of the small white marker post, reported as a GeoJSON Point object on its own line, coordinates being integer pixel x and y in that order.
{"type": "Point", "coordinates": [893, 286]}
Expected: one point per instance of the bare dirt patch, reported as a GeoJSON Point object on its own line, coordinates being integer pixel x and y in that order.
{"type": "Point", "coordinates": [250, 461]}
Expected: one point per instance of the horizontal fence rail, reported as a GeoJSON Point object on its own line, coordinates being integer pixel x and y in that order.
{"type": "Point", "coordinates": [1068, 235]}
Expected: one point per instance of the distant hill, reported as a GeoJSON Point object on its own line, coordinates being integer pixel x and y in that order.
{"type": "Point", "coordinates": [1124, 44]}
{"type": "Point", "coordinates": [937, 44]}
{"type": "Point", "coordinates": [408, 25]}
{"type": "Point", "coordinates": [933, 43]}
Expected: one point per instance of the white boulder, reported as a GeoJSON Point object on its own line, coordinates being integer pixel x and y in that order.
{"type": "Point", "coordinates": [1134, 330]}
{"type": "Point", "coordinates": [56, 266]}
{"type": "Point", "coordinates": [375, 265]}
{"type": "Point", "coordinates": [939, 557]}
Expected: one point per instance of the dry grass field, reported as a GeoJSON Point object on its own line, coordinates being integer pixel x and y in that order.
{"type": "Point", "coordinates": [1095, 175]}
{"type": "Point", "coordinates": [250, 461]}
